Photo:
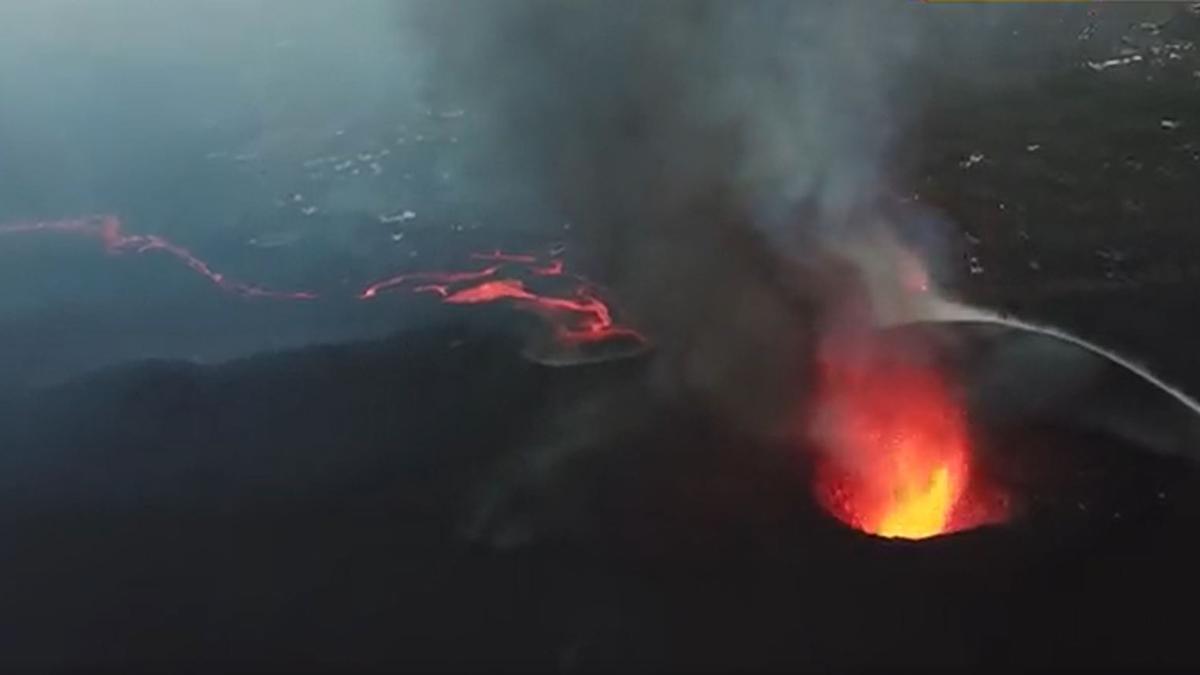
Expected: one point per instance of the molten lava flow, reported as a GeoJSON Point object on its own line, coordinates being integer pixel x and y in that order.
{"type": "Point", "coordinates": [570, 303]}
{"type": "Point", "coordinates": [576, 311]}
{"type": "Point", "coordinates": [107, 229]}
{"type": "Point", "coordinates": [896, 449]}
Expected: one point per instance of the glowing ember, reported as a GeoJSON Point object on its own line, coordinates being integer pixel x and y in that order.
{"type": "Point", "coordinates": [896, 459]}
{"type": "Point", "coordinates": [108, 230]}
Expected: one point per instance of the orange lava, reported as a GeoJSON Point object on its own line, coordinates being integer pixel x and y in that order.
{"type": "Point", "coordinates": [896, 451]}
{"type": "Point", "coordinates": [110, 232]}
{"type": "Point", "coordinates": [576, 312]}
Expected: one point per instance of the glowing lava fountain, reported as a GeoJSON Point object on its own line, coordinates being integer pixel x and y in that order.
{"type": "Point", "coordinates": [895, 448]}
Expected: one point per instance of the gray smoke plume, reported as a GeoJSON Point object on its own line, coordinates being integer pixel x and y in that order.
{"type": "Point", "coordinates": [728, 164]}
{"type": "Point", "coordinates": [712, 156]}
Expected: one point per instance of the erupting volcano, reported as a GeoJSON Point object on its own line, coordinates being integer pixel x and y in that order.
{"type": "Point", "coordinates": [896, 448]}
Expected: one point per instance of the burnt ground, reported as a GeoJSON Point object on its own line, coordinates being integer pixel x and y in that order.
{"type": "Point", "coordinates": [303, 510]}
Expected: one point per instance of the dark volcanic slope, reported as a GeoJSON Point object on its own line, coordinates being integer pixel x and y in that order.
{"type": "Point", "coordinates": [304, 510]}
{"type": "Point", "coordinates": [286, 507]}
